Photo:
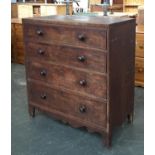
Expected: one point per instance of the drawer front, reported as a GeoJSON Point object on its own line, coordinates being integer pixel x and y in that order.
{"type": "Point", "coordinates": [81, 37]}
{"type": "Point", "coordinates": [139, 70]}
{"type": "Point", "coordinates": [58, 76]}
{"type": "Point", "coordinates": [71, 105]}
{"type": "Point", "coordinates": [76, 57]}
{"type": "Point", "coordinates": [140, 45]}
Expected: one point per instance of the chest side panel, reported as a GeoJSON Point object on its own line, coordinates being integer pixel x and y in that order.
{"type": "Point", "coordinates": [121, 62]}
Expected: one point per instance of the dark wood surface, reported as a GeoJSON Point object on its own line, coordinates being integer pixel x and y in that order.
{"type": "Point", "coordinates": [74, 20]}
{"type": "Point", "coordinates": [68, 78]}
{"type": "Point", "coordinates": [78, 36]}
{"type": "Point", "coordinates": [97, 92]}
{"type": "Point", "coordinates": [85, 58]}
{"type": "Point", "coordinates": [121, 77]}
{"type": "Point", "coordinates": [75, 106]}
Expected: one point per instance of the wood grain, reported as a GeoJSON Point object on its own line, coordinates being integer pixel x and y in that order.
{"type": "Point", "coordinates": [67, 103]}
{"type": "Point", "coordinates": [94, 60]}
{"type": "Point", "coordinates": [69, 35]}
{"type": "Point", "coordinates": [96, 90]}
{"type": "Point", "coordinates": [68, 78]}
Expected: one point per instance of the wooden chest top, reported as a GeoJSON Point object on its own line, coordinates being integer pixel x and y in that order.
{"type": "Point", "coordinates": [96, 21]}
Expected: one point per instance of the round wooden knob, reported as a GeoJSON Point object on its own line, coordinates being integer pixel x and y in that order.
{"type": "Point", "coordinates": [43, 96]}
{"type": "Point", "coordinates": [81, 37]}
{"type": "Point", "coordinates": [41, 51]}
{"type": "Point", "coordinates": [82, 109]}
{"type": "Point", "coordinates": [82, 58]}
{"type": "Point", "coordinates": [83, 82]}
{"type": "Point", "coordinates": [39, 32]}
{"type": "Point", "coordinates": [43, 73]}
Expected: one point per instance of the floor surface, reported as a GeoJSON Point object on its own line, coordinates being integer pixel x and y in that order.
{"type": "Point", "coordinates": [43, 135]}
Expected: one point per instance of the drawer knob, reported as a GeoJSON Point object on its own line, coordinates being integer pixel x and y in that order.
{"type": "Point", "coordinates": [39, 32]}
{"type": "Point", "coordinates": [43, 73]}
{"type": "Point", "coordinates": [43, 96]}
{"type": "Point", "coordinates": [81, 37]}
{"type": "Point", "coordinates": [41, 52]}
{"type": "Point", "coordinates": [83, 82]}
{"type": "Point", "coordinates": [82, 58]}
{"type": "Point", "coordinates": [82, 109]}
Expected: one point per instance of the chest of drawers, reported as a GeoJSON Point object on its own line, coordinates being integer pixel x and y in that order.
{"type": "Point", "coordinates": [81, 70]}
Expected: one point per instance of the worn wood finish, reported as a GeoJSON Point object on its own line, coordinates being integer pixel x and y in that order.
{"type": "Point", "coordinates": [69, 104]}
{"type": "Point", "coordinates": [122, 80]}
{"type": "Point", "coordinates": [85, 58]}
{"type": "Point", "coordinates": [97, 92]}
{"type": "Point", "coordinates": [68, 78]}
{"type": "Point", "coordinates": [82, 37]}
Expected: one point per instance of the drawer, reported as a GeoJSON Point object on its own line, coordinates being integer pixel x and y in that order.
{"type": "Point", "coordinates": [76, 57]}
{"type": "Point", "coordinates": [140, 45]}
{"type": "Point", "coordinates": [86, 83]}
{"type": "Point", "coordinates": [139, 70]}
{"type": "Point", "coordinates": [79, 107]}
{"type": "Point", "coordinates": [81, 37]}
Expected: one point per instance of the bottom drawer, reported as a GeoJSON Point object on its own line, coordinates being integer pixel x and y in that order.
{"type": "Point", "coordinates": [81, 108]}
{"type": "Point", "coordinates": [139, 71]}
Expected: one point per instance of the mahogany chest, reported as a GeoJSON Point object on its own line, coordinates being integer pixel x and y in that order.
{"type": "Point", "coordinates": [80, 69]}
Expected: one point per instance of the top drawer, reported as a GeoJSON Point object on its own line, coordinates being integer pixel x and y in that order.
{"type": "Point", "coordinates": [80, 37]}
